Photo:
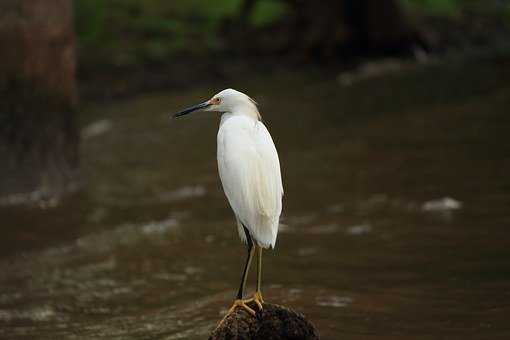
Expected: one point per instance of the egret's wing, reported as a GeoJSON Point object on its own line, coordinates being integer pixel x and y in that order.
{"type": "Point", "coordinates": [250, 173]}
{"type": "Point", "coordinates": [268, 179]}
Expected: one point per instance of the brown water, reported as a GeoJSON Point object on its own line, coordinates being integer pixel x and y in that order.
{"type": "Point", "coordinates": [150, 250]}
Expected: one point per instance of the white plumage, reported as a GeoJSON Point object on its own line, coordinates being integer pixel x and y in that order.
{"type": "Point", "coordinates": [249, 170]}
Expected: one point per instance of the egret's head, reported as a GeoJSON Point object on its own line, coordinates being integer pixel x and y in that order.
{"type": "Point", "coordinates": [228, 100]}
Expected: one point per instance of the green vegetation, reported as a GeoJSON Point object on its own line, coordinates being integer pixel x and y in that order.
{"type": "Point", "coordinates": [125, 32]}
{"type": "Point", "coordinates": [133, 32]}
{"type": "Point", "coordinates": [267, 12]}
{"type": "Point", "coordinates": [456, 7]}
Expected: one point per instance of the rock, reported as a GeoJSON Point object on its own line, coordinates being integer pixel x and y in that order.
{"type": "Point", "coordinates": [273, 322]}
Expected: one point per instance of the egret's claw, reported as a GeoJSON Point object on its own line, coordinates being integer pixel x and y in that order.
{"type": "Point", "coordinates": [242, 304]}
{"type": "Point", "coordinates": [257, 298]}
{"type": "Point", "coordinates": [238, 303]}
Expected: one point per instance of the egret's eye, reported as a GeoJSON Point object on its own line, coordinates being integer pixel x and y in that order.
{"type": "Point", "coordinates": [216, 101]}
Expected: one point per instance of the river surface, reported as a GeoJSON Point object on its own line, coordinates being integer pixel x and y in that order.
{"type": "Point", "coordinates": [395, 225]}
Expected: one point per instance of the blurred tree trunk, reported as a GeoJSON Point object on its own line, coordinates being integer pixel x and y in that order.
{"type": "Point", "coordinates": [379, 24]}
{"type": "Point", "coordinates": [365, 25]}
{"type": "Point", "coordinates": [331, 28]}
{"type": "Point", "coordinates": [38, 136]}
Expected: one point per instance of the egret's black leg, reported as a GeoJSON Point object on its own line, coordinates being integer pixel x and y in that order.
{"type": "Point", "coordinates": [251, 250]}
{"type": "Point", "coordinates": [239, 302]}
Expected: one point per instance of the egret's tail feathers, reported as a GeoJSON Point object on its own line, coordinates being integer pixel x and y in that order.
{"type": "Point", "coordinates": [263, 231]}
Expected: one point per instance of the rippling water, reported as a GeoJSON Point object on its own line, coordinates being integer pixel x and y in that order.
{"type": "Point", "coordinates": [150, 250]}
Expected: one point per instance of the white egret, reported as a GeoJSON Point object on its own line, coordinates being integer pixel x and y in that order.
{"type": "Point", "coordinates": [249, 170]}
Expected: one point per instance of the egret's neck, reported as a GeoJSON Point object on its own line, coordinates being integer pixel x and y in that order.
{"type": "Point", "coordinates": [249, 110]}
{"type": "Point", "coordinates": [248, 116]}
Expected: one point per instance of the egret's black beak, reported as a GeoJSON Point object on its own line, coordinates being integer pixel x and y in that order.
{"type": "Point", "coordinates": [192, 109]}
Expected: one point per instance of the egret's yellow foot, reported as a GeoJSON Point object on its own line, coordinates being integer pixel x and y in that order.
{"type": "Point", "coordinates": [257, 298]}
{"type": "Point", "coordinates": [242, 304]}
{"type": "Point", "coordinates": [238, 303]}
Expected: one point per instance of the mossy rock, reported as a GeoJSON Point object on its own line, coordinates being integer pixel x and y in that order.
{"type": "Point", "coordinates": [273, 322]}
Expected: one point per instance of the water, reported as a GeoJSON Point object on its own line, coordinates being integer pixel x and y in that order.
{"type": "Point", "coordinates": [150, 250]}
